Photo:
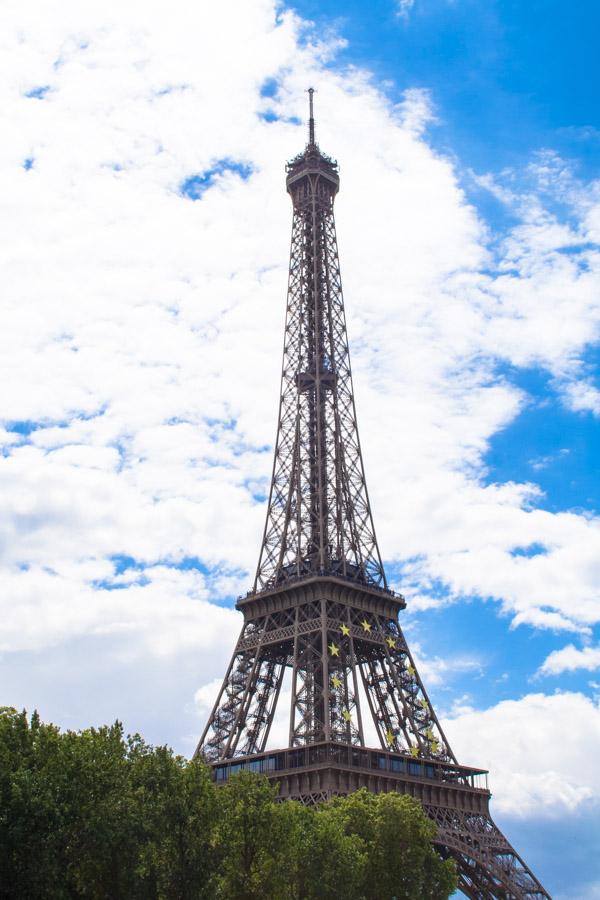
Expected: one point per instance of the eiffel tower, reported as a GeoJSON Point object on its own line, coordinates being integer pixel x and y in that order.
{"type": "Point", "coordinates": [320, 607]}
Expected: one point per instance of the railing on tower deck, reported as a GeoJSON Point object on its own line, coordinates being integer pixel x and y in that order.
{"type": "Point", "coordinates": [346, 755]}
{"type": "Point", "coordinates": [313, 161]}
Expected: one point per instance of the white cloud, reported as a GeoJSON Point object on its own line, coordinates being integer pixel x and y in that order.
{"type": "Point", "coordinates": [583, 396]}
{"type": "Point", "coordinates": [541, 751]}
{"type": "Point", "coordinates": [140, 335]}
{"type": "Point", "coordinates": [206, 697]}
{"type": "Point", "coordinates": [404, 7]}
{"type": "Point", "coordinates": [415, 110]}
{"type": "Point", "coordinates": [569, 659]}
{"type": "Point", "coordinates": [435, 671]}
{"type": "Point", "coordinates": [164, 613]}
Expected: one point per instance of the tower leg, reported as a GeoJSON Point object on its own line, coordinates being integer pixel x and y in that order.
{"type": "Point", "coordinates": [488, 867]}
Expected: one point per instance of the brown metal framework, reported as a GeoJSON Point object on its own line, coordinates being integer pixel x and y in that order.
{"type": "Point", "coordinates": [320, 605]}
{"type": "Point", "coordinates": [319, 518]}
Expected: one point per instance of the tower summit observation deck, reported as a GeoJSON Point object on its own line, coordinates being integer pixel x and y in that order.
{"type": "Point", "coordinates": [320, 608]}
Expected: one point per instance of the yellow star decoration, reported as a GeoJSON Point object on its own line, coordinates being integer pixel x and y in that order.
{"type": "Point", "coordinates": [346, 715]}
{"type": "Point", "coordinates": [390, 737]}
{"type": "Point", "coordinates": [366, 625]}
{"type": "Point", "coordinates": [429, 734]}
{"type": "Point", "coordinates": [411, 671]}
{"type": "Point", "coordinates": [334, 649]}
{"type": "Point", "coordinates": [434, 746]}
{"type": "Point", "coordinates": [424, 703]}
{"type": "Point", "coordinates": [336, 682]}
{"type": "Point", "coordinates": [414, 751]}
{"type": "Point", "coordinates": [391, 643]}
{"type": "Point", "coordinates": [345, 630]}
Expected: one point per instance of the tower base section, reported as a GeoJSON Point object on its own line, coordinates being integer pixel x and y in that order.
{"type": "Point", "coordinates": [456, 798]}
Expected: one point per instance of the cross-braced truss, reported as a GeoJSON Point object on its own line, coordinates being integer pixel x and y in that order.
{"type": "Point", "coordinates": [487, 865]}
{"type": "Point", "coordinates": [320, 606]}
{"type": "Point", "coordinates": [331, 648]}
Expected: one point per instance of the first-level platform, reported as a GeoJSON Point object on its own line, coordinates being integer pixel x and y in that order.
{"type": "Point", "coordinates": [455, 797]}
{"type": "Point", "coordinates": [315, 772]}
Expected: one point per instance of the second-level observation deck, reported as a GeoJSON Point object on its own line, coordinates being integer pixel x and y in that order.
{"type": "Point", "coordinates": [296, 588]}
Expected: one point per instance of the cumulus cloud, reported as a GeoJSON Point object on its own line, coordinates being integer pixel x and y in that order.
{"type": "Point", "coordinates": [404, 7]}
{"type": "Point", "coordinates": [541, 751]}
{"type": "Point", "coordinates": [164, 610]}
{"type": "Point", "coordinates": [583, 396]}
{"type": "Point", "coordinates": [206, 695]}
{"type": "Point", "coordinates": [140, 335]}
{"type": "Point", "coordinates": [436, 671]}
{"type": "Point", "coordinates": [571, 658]}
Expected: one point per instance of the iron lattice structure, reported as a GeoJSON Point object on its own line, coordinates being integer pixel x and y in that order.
{"type": "Point", "coordinates": [319, 518]}
{"type": "Point", "coordinates": [320, 607]}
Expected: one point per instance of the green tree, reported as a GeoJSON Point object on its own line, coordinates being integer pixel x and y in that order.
{"type": "Point", "coordinates": [177, 805]}
{"type": "Point", "coordinates": [103, 817]}
{"type": "Point", "coordinates": [30, 813]}
{"type": "Point", "coordinates": [93, 815]}
{"type": "Point", "coordinates": [101, 831]}
{"type": "Point", "coordinates": [66, 826]}
{"type": "Point", "coordinates": [397, 840]}
{"type": "Point", "coordinates": [322, 861]}
{"type": "Point", "coordinates": [250, 840]}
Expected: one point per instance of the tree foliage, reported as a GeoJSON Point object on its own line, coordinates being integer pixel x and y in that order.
{"type": "Point", "coordinates": [98, 815]}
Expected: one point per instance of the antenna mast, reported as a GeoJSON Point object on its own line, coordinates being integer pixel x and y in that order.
{"type": "Point", "coordinates": [311, 119]}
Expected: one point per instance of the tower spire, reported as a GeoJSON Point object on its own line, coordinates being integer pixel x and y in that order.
{"type": "Point", "coordinates": [311, 119]}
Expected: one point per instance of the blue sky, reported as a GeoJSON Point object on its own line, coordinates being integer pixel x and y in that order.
{"type": "Point", "coordinates": [489, 66]}
{"type": "Point", "coordinates": [146, 232]}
